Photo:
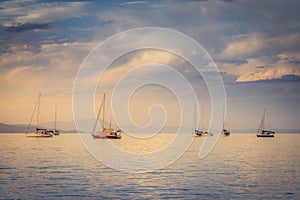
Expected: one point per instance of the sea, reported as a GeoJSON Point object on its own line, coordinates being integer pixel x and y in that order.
{"type": "Point", "coordinates": [240, 166]}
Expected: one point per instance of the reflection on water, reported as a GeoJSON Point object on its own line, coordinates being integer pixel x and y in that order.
{"type": "Point", "coordinates": [144, 144]}
{"type": "Point", "coordinates": [240, 166]}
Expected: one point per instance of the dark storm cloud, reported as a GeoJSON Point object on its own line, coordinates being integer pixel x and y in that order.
{"type": "Point", "coordinates": [106, 22]}
{"type": "Point", "coordinates": [26, 27]}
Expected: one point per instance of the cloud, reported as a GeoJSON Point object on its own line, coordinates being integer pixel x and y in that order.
{"type": "Point", "coordinates": [26, 26]}
{"type": "Point", "coordinates": [253, 45]}
{"type": "Point", "coordinates": [129, 3]}
{"type": "Point", "coordinates": [266, 67]}
{"type": "Point", "coordinates": [43, 44]}
{"type": "Point", "coordinates": [52, 71]}
{"type": "Point", "coordinates": [266, 57]}
{"type": "Point", "coordinates": [59, 61]}
{"type": "Point", "coordinates": [284, 79]}
{"type": "Point", "coordinates": [289, 57]}
{"type": "Point", "coordinates": [244, 46]}
{"type": "Point", "coordinates": [135, 59]}
{"type": "Point", "coordinates": [41, 13]}
{"type": "Point", "coordinates": [250, 65]}
{"type": "Point", "coordinates": [16, 72]}
{"type": "Point", "coordinates": [270, 73]}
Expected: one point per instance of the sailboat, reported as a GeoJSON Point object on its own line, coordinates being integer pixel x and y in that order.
{"type": "Point", "coordinates": [204, 133]}
{"type": "Point", "coordinates": [224, 131]}
{"type": "Point", "coordinates": [261, 132]}
{"type": "Point", "coordinates": [108, 132]}
{"type": "Point", "coordinates": [197, 132]}
{"type": "Point", "coordinates": [39, 132]}
{"type": "Point", "coordinates": [56, 132]}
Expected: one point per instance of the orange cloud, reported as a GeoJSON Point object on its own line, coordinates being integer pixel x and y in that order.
{"type": "Point", "coordinates": [112, 75]}
{"type": "Point", "coordinates": [270, 73]}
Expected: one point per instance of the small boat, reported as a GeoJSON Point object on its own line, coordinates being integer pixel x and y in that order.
{"type": "Point", "coordinates": [111, 135]}
{"type": "Point", "coordinates": [261, 132]}
{"type": "Point", "coordinates": [224, 131]}
{"type": "Point", "coordinates": [56, 132]}
{"type": "Point", "coordinates": [39, 132]}
{"type": "Point", "coordinates": [197, 132]}
{"type": "Point", "coordinates": [207, 134]}
{"type": "Point", "coordinates": [107, 133]}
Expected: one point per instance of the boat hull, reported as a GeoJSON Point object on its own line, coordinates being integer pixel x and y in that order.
{"type": "Point", "coordinates": [56, 133]}
{"type": "Point", "coordinates": [265, 136]}
{"type": "Point", "coordinates": [41, 132]}
{"type": "Point", "coordinates": [198, 133]}
{"type": "Point", "coordinates": [96, 136]}
{"type": "Point", "coordinates": [207, 134]}
{"type": "Point", "coordinates": [40, 135]}
{"type": "Point", "coordinates": [225, 133]}
{"type": "Point", "coordinates": [265, 133]}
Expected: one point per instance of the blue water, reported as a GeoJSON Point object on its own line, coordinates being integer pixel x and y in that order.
{"type": "Point", "coordinates": [240, 166]}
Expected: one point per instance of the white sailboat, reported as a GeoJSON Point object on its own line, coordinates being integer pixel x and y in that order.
{"type": "Point", "coordinates": [224, 131]}
{"type": "Point", "coordinates": [197, 132]}
{"type": "Point", "coordinates": [261, 132]}
{"type": "Point", "coordinates": [39, 132]}
{"type": "Point", "coordinates": [107, 133]}
{"type": "Point", "coordinates": [204, 133]}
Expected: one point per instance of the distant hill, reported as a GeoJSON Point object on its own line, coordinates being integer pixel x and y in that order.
{"type": "Point", "coordinates": [7, 128]}
{"type": "Point", "coordinates": [276, 131]}
{"type": "Point", "coordinates": [22, 128]}
{"type": "Point", "coordinates": [69, 128]}
{"type": "Point", "coordinates": [287, 130]}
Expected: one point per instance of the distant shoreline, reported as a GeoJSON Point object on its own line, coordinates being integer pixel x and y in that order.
{"type": "Point", "coordinates": [22, 128]}
{"type": "Point", "coordinates": [233, 133]}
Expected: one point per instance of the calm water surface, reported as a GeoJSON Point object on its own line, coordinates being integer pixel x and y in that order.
{"type": "Point", "coordinates": [240, 166]}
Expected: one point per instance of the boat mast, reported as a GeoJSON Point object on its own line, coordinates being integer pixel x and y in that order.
{"type": "Point", "coordinates": [195, 118]}
{"type": "Point", "coordinates": [38, 110]}
{"type": "Point", "coordinates": [32, 115]}
{"type": "Point", "coordinates": [202, 120]}
{"type": "Point", "coordinates": [98, 114]}
{"type": "Point", "coordinates": [55, 119]}
{"type": "Point", "coordinates": [103, 111]}
{"type": "Point", "coordinates": [263, 121]}
{"type": "Point", "coordinates": [223, 118]}
{"type": "Point", "coordinates": [109, 123]}
{"type": "Point", "coordinates": [261, 125]}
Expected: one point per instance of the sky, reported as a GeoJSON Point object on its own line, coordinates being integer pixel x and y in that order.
{"type": "Point", "coordinates": [255, 45]}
